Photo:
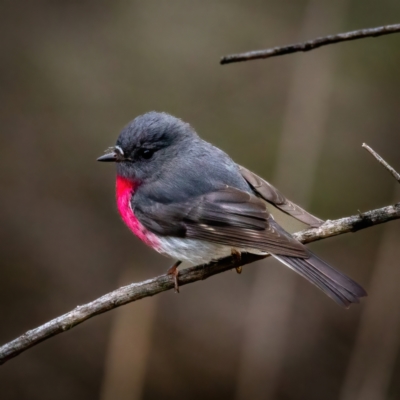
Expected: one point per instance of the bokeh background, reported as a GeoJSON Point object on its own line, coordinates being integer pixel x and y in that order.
{"type": "Point", "coordinates": [72, 74]}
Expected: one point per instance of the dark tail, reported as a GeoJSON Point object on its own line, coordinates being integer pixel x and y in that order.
{"type": "Point", "coordinates": [336, 285]}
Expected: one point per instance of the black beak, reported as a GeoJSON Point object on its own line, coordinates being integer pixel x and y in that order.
{"type": "Point", "coordinates": [109, 157]}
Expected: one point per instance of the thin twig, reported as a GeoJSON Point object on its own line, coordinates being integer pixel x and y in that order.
{"type": "Point", "coordinates": [311, 44]}
{"type": "Point", "coordinates": [382, 161]}
{"type": "Point", "coordinates": [151, 287]}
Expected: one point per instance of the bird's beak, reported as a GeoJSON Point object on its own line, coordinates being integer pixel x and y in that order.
{"type": "Point", "coordinates": [109, 157]}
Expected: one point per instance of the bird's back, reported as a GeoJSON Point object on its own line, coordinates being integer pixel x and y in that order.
{"type": "Point", "coordinates": [202, 168]}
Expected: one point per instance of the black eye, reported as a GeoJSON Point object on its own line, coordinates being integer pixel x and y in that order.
{"type": "Point", "coordinates": [146, 153]}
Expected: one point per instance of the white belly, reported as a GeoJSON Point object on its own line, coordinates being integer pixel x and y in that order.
{"type": "Point", "coordinates": [196, 251]}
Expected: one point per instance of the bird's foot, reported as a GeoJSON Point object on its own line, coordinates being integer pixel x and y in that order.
{"type": "Point", "coordinates": [237, 256]}
{"type": "Point", "coordinates": [174, 272]}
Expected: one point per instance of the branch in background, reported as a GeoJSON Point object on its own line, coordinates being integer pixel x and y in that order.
{"type": "Point", "coordinates": [383, 162]}
{"type": "Point", "coordinates": [311, 44]}
{"type": "Point", "coordinates": [151, 287]}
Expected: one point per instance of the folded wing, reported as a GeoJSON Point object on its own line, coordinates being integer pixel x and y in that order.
{"type": "Point", "coordinates": [228, 216]}
{"type": "Point", "coordinates": [241, 220]}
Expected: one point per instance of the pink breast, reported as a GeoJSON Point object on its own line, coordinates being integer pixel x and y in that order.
{"type": "Point", "coordinates": [124, 191]}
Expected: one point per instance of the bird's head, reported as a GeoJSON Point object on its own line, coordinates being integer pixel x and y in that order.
{"type": "Point", "coordinates": [147, 144]}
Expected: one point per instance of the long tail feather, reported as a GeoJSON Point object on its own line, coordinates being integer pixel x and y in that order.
{"type": "Point", "coordinates": [336, 285]}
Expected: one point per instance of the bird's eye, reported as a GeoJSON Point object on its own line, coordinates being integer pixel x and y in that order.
{"type": "Point", "coordinates": [146, 153]}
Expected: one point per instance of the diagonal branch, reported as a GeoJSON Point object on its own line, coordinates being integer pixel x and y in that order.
{"type": "Point", "coordinates": [162, 283]}
{"type": "Point", "coordinates": [151, 287]}
{"type": "Point", "coordinates": [395, 174]}
{"type": "Point", "coordinates": [311, 44]}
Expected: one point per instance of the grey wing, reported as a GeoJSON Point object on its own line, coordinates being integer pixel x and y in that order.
{"type": "Point", "coordinates": [228, 216]}
{"type": "Point", "coordinates": [239, 219]}
{"type": "Point", "coordinates": [275, 197]}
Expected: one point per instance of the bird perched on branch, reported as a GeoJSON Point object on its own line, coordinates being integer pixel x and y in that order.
{"type": "Point", "coordinates": [189, 200]}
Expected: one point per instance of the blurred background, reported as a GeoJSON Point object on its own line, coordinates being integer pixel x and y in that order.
{"type": "Point", "coordinates": [72, 74]}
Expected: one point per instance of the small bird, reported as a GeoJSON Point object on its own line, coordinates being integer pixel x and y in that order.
{"type": "Point", "coordinates": [189, 200]}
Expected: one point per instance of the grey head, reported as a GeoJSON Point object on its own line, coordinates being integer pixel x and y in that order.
{"type": "Point", "coordinates": [170, 160]}
{"type": "Point", "coordinates": [147, 143]}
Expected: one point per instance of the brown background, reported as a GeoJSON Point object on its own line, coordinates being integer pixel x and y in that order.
{"type": "Point", "coordinates": [72, 74]}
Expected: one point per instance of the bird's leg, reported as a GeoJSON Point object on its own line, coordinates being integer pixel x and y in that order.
{"type": "Point", "coordinates": [174, 272]}
{"type": "Point", "coordinates": [236, 254]}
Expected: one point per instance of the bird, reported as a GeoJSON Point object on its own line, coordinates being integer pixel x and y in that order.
{"type": "Point", "coordinates": [188, 200]}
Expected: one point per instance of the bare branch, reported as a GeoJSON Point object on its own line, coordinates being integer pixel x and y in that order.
{"type": "Point", "coordinates": [311, 44]}
{"type": "Point", "coordinates": [383, 162]}
{"type": "Point", "coordinates": [151, 287]}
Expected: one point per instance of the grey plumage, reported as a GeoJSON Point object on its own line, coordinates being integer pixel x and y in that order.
{"type": "Point", "coordinates": [201, 204]}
